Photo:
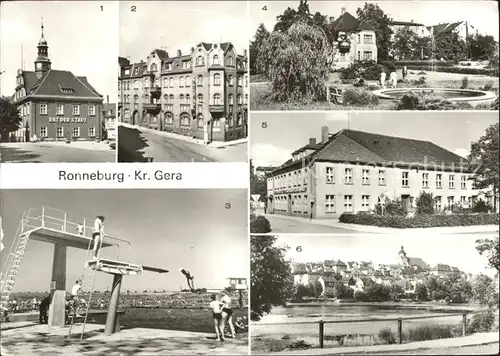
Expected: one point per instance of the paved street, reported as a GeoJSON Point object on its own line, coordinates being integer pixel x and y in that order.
{"type": "Point", "coordinates": [283, 225]}
{"type": "Point", "coordinates": [41, 152]}
{"type": "Point", "coordinates": [137, 146]}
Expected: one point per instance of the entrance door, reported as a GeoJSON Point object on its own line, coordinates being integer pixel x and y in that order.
{"type": "Point", "coordinates": [135, 118]}
{"type": "Point", "coordinates": [405, 199]}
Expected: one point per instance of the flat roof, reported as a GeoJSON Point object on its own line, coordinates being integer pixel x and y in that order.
{"type": "Point", "coordinates": [69, 239]}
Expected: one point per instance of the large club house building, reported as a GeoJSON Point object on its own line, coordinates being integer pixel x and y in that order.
{"type": "Point", "coordinates": [351, 171]}
{"type": "Point", "coordinates": [202, 94]}
{"type": "Point", "coordinates": [56, 104]}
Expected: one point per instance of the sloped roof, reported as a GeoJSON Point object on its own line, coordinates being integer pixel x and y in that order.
{"type": "Point", "coordinates": [309, 146]}
{"type": "Point", "coordinates": [444, 27]}
{"type": "Point", "coordinates": [405, 23]}
{"type": "Point", "coordinates": [55, 80]}
{"type": "Point", "coordinates": [299, 268]}
{"type": "Point", "coordinates": [30, 80]}
{"type": "Point", "coordinates": [416, 261]}
{"type": "Point", "coordinates": [348, 23]}
{"type": "Point", "coordinates": [122, 61]}
{"type": "Point", "coordinates": [225, 46]}
{"type": "Point", "coordinates": [329, 278]}
{"type": "Point", "coordinates": [442, 268]}
{"type": "Point", "coordinates": [162, 54]}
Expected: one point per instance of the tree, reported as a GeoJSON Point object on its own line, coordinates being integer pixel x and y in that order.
{"type": "Point", "coordinates": [404, 44]}
{"type": "Point", "coordinates": [260, 36]}
{"type": "Point", "coordinates": [297, 63]}
{"type": "Point", "coordinates": [457, 289]}
{"type": "Point", "coordinates": [482, 47]}
{"type": "Point", "coordinates": [10, 119]}
{"type": "Point", "coordinates": [486, 168]}
{"type": "Point", "coordinates": [421, 291]}
{"type": "Point", "coordinates": [490, 248]}
{"type": "Point", "coordinates": [290, 16]}
{"type": "Point", "coordinates": [302, 291]}
{"type": "Point", "coordinates": [425, 203]}
{"type": "Point", "coordinates": [271, 276]}
{"type": "Point", "coordinates": [484, 291]}
{"type": "Point", "coordinates": [260, 225]}
{"type": "Point", "coordinates": [449, 46]}
{"type": "Point", "coordinates": [258, 185]}
{"type": "Point", "coordinates": [375, 16]}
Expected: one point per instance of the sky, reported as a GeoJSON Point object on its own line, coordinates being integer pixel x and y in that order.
{"type": "Point", "coordinates": [182, 24]}
{"type": "Point", "coordinates": [168, 229]}
{"type": "Point", "coordinates": [82, 39]}
{"type": "Point", "coordinates": [430, 12]}
{"type": "Point", "coordinates": [452, 130]}
{"type": "Point", "coordinates": [457, 250]}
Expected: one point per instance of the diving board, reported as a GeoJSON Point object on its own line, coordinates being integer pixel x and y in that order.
{"type": "Point", "coordinates": [118, 267]}
{"type": "Point", "coordinates": [69, 239]}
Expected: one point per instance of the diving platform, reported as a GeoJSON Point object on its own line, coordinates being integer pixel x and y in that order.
{"type": "Point", "coordinates": [54, 236]}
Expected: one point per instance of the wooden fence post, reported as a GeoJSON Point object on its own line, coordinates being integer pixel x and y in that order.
{"type": "Point", "coordinates": [321, 332]}
{"type": "Point", "coordinates": [464, 324]}
{"type": "Point", "coordinates": [400, 330]}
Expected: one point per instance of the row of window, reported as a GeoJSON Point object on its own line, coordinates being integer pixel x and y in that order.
{"type": "Point", "coordinates": [216, 99]}
{"type": "Point", "coordinates": [60, 109]}
{"type": "Point", "coordinates": [296, 179]}
{"type": "Point", "coordinates": [60, 132]}
{"type": "Point", "coordinates": [185, 119]}
{"type": "Point", "coordinates": [184, 82]}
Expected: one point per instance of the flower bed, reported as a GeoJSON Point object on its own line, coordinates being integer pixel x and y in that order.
{"type": "Point", "coordinates": [420, 221]}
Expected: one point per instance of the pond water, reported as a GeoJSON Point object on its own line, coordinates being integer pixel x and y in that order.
{"type": "Point", "coordinates": [440, 93]}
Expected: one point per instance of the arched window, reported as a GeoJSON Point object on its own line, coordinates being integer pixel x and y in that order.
{"type": "Point", "coordinates": [216, 60]}
{"type": "Point", "coordinates": [171, 82]}
{"type": "Point", "coordinates": [231, 80]}
{"type": "Point", "coordinates": [188, 81]}
{"type": "Point", "coordinates": [171, 97]}
{"type": "Point", "coordinates": [188, 98]}
{"type": "Point", "coordinates": [230, 61]}
{"type": "Point", "coordinates": [165, 82]}
{"type": "Point", "coordinates": [169, 118]}
{"type": "Point", "coordinates": [181, 82]}
{"type": "Point", "coordinates": [231, 99]}
{"type": "Point", "coordinates": [246, 99]}
{"type": "Point", "coordinates": [238, 120]}
{"type": "Point", "coordinates": [216, 79]}
{"type": "Point", "coordinates": [181, 98]}
{"type": "Point", "coordinates": [200, 121]}
{"type": "Point", "coordinates": [230, 120]}
{"type": "Point", "coordinates": [240, 99]}
{"type": "Point", "coordinates": [165, 97]}
{"type": "Point", "coordinates": [200, 80]}
{"type": "Point", "coordinates": [200, 61]}
{"type": "Point", "coordinates": [185, 119]}
{"type": "Point", "coordinates": [153, 68]}
{"type": "Point", "coordinates": [217, 100]}
{"type": "Point", "coordinates": [136, 85]}
{"type": "Point", "coordinates": [157, 82]}
{"type": "Point", "coordinates": [200, 98]}
{"type": "Point", "coordinates": [126, 112]}
{"type": "Point", "coordinates": [136, 97]}
{"type": "Point", "coordinates": [216, 124]}
{"type": "Point", "coordinates": [240, 81]}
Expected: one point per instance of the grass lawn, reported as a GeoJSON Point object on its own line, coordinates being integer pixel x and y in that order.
{"type": "Point", "coordinates": [260, 90]}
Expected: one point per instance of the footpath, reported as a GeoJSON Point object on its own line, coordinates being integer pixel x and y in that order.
{"type": "Point", "coordinates": [389, 230]}
{"type": "Point", "coordinates": [465, 341]}
{"type": "Point", "coordinates": [214, 144]}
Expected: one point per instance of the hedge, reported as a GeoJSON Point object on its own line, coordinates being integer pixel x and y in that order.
{"type": "Point", "coordinates": [418, 63]}
{"type": "Point", "coordinates": [476, 71]}
{"type": "Point", "coordinates": [420, 221]}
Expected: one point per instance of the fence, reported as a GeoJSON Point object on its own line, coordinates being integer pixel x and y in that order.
{"type": "Point", "coordinates": [399, 321]}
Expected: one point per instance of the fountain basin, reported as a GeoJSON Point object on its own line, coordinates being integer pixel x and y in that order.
{"type": "Point", "coordinates": [472, 97]}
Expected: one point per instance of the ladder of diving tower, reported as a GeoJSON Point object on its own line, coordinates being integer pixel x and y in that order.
{"type": "Point", "coordinates": [13, 262]}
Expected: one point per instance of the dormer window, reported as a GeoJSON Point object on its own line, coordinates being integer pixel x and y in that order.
{"type": "Point", "coordinates": [169, 66]}
{"type": "Point", "coordinates": [215, 60]}
{"type": "Point", "coordinates": [127, 71]}
{"type": "Point", "coordinates": [67, 90]}
{"type": "Point", "coordinates": [230, 61]}
{"type": "Point", "coordinates": [186, 64]}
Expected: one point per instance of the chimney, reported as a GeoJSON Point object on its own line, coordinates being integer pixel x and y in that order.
{"type": "Point", "coordinates": [312, 141]}
{"type": "Point", "coordinates": [325, 134]}
{"type": "Point", "coordinates": [107, 99]}
{"type": "Point", "coordinates": [245, 53]}
{"type": "Point", "coordinates": [179, 53]}
{"type": "Point", "coordinates": [192, 49]}
{"type": "Point", "coordinates": [342, 11]}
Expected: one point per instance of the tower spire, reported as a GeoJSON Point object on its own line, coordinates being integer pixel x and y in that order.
{"type": "Point", "coordinates": [42, 63]}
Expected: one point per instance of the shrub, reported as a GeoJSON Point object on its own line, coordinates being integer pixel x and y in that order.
{"type": "Point", "coordinates": [260, 225]}
{"type": "Point", "coordinates": [364, 70]}
{"type": "Point", "coordinates": [421, 82]}
{"type": "Point", "coordinates": [482, 321]}
{"type": "Point", "coordinates": [429, 332]}
{"type": "Point", "coordinates": [300, 344]}
{"type": "Point", "coordinates": [445, 69]}
{"type": "Point", "coordinates": [387, 336]}
{"type": "Point", "coordinates": [425, 203]}
{"type": "Point", "coordinates": [418, 63]}
{"type": "Point", "coordinates": [359, 295]}
{"type": "Point", "coordinates": [465, 83]}
{"type": "Point", "coordinates": [424, 101]}
{"type": "Point", "coordinates": [437, 295]}
{"type": "Point", "coordinates": [391, 207]}
{"type": "Point", "coordinates": [359, 97]}
{"type": "Point", "coordinates": [420, 221]}
{"type": "Point", "coordinates": [488, 86]}
{"type": "Point", "coordinates": [494, 105]}
{"type": "Point", "coordinates": [480, 206]}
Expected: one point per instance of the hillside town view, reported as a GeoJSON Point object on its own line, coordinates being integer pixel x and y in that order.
{"type": "Point", "coordinates": [378, 56]}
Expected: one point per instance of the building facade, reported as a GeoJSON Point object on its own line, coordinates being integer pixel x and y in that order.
{"type": "Point", "coordinates": [352, 171]}
{"type": "Point", "coordinates": [419, 29]}
{"type": "Point", "coordinates": [202, 94]}
{"type": "Point", "coordinates": [356, 41]}
{"type": "Point", "coordinates": [56, 104]}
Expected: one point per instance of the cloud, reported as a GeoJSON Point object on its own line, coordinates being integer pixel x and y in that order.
{"type": "Point", "coordinates": [265, 154]}
{"type": "Point", "coordinates": [462, 152]}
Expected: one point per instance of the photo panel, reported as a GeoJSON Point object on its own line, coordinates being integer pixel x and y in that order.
{"type": "Point", "coordinates": [127, 271]}
{"type": "Point", "coordinates": [184, 82]}
{"type": "Point", "coordinates": [385, 55]}
{"type": "Point", "coordinates": [389, 295]}
{"type": "Point", "coordinates": [373, 172]}
{"type": "Point", "coordinates": [58, 88]}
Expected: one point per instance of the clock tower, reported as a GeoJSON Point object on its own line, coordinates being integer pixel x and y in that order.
{"type": "Point", "coordinates": [42, 63]}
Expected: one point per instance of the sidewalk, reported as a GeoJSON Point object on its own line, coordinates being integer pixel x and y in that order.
{"type": "Point", "coordinates": [84, 145]}
{"type": "Point", "coordinates": [214, 144]}
{"type": "Point", "coordinates": [471, 340]}
{"type": "Point", "coordinates": [389, 230]}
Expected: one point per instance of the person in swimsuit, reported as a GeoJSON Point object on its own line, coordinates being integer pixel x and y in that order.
{"type": "Point", "coordinates": [97, 233]}
{"type": "Point", "coordinates": [189, 277]}
{"type": "Point", "coordinates": [215, 305]}
{"type": "Point", "coordinates": [75, 295]}
{"type": "Point", "coordinates": [227, 313]}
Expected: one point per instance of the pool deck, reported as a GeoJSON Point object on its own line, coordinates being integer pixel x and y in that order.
{"type": "Point", "coordinates": [27, 338]}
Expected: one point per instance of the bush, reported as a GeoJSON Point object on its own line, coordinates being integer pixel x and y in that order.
{"type": "Point", "coordinates": [427, 101]}
{"type": "Point", "coordinates": [425, 203]}
{"type": "Point", "coordinates": [437, 295]}
{"type": "Point", "coordinates": [360, 295]}
{"type": "Point", "coordinates": [429, 332]}
{"type": "Point", "coordinates": [494, 105]}
{"type": "Point", "coordinates": [387, 336]}
{"type": "Point", "coordinates": [420, 221]}
{"type": "Point", "coordinates": [260, 225]}
{"type": "Point", "coordinates": [359, 97]}
{"type": "Point", "coordinates": [480, 206]}
{"type": "Point", "coordinates": [391, 207]}
{"type": "Point", "coordinates": [363, 70]}
{"type": "Point", "coordinates": [417, 63]}
{"type": "Point", "coordinates": [444, 69]}
{"type": "Point", "coordinates": [300, 344]}
{"type": "Point", "coordinates": [482, 321]}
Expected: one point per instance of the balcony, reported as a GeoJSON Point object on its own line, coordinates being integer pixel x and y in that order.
{"type": "Point", "coordinates": [155, 92]}
{"type": "Point", "coordinates": [152, 108]}
{"type": "Point", "coordinates": [216, 108]}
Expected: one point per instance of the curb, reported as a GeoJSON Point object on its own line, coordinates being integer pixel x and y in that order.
{"type": "Point", "coordinates": [197, 141]}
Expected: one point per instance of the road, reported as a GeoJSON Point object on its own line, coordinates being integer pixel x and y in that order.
{"type": "Point", "coordinates": [47, 153]}
{"type": "Point", "coordinates": [489, 349]}
{"type": "Point", "coordinates": [284, 225]}
{"type": "Point", "coordinates": [137, 146]}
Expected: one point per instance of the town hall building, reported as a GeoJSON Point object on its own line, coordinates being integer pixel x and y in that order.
{"type": "Point", "coordinates": [56, 104]}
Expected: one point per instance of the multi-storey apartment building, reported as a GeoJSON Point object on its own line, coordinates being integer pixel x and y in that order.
{"type": "Point", "coordinates": [356, 41]}
{"type": "Point", "coordinates": [419, 29]}
{"type": "Point", "coordinates": [56, 104]}
{"type": "Point", "coordinates": [351, 171]}
{"type": "Point", "coordinates": [202, 94]}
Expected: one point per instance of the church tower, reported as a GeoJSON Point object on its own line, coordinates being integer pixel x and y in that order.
{"type": "Point", "coordinates": [402, 259]}
{"type": "Point", "coordinates": [42, 63]}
